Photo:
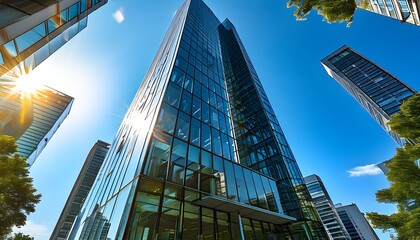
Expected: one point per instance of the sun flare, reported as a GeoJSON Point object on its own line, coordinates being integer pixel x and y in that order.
{"type": "Point", "coordinates": [22, 81]}
{"type": "Point", "coordinates": [25, 84]}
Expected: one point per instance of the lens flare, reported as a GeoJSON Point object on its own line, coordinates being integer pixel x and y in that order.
{"type": "Point", "coordinates": [21, 81]}
{"type": "Point", "coordinates": [26, 85]}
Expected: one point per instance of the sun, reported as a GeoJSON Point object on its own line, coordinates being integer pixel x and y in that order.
{"type": "Point", "coordinates": [21, 81]}
{"type": "Point", "coordinates": [25, 84]}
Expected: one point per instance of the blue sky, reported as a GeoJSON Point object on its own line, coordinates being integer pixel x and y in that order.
{"type": "Point", "coordinates": [329, 132]}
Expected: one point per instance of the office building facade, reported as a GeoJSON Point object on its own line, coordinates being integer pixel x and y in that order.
{"type": "Point", "coordinates": [355, 222]}
{"type": "Point", "coordinates": [31, 117]}
{"type": "Point", "coordinates": [378, 91]}
{"type": "Point", "coordinates": [402, 10]}
{"type": "Point", "coordinates": [194, 156]}
{"type": "Point", "coordinates": [30, 31]}
{"type": "Point", "coordinates": [325, 208]}
{"type": "Point", "coordinates": [80, 190]}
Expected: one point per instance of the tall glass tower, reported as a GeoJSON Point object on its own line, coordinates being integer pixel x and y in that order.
{"type": "Point", "coordinates": [325, 208]}
{"type": "Point", "coordinates": [378, 91]}
{"type": "Point", "coordinates": [80, 190]}
{"type": "Point", "coordinates": [355, 222]}
{"type": "Point", "coordinates": [200, 153]}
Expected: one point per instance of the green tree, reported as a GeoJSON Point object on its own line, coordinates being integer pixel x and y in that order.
{"type": "Point", "coordinates": [17, 195]}
{"type": "Point", "coordinates": [407, 121]}
{"type": "Point", "coordinates": [404, 176]}
{"type": "Point", "coordinates": [331, 10]}
{"type": "Point", "coordinates": [20, 236]}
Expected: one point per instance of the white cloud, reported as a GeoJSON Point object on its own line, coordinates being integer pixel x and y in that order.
{"type": "Point", "coordinates": [370, 169]}
{"type": "Point", "coordinates": [37, 231]}
{"type": "Point", "coordinates": [119, 15]}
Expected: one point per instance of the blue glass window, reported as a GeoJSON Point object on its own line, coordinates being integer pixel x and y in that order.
{"type": "Point", "coordinates": [64, 16]}
{"type": "Point", "coordinates": [216, 142]}
{"type": "Point", "coordinates": [52, 25]}
{"type": "Point", "coordinates": [83, 23]}
{"type": "Point", "coordinates": [195, 132]}
{"type": "Point", "coordinates": [181, 64]}
{"type": "Point", "coordinates": [173, 94]}
{"type": "Point", "coordinates": [240, 180]}
{"type": "Point", "coordinates": [191, 179]}
{"type": "Point", "coordinates": [225, 146]}
{"type": "Point", "coordinates": [205, 113]}
{"type": "Point", "coordinates": [196, 108]}
{"type": "Point", "coordinates": [177, 77]}
{"type": "Point", "coordinates": [222, 121]}
{"type": "Point", "coordinates": [158, 156]}
{"type": "Point", "coordinates": [230, 181]}
{"type": "Point", "coordinates": [83, 6]}
{"type": "Point", "coordinates": [214, 117]}
{"type": "Point", "coordinates": [74, 11]}
{"type": "Point", "coordinates": [251, 187]}
{"type": "Point", "coordinates": [179, 152]}
{"type": "Point", "coordinates": [205, 94]}
{"type": "Point", "coordinates": [197, 89]}
{"type": "Point", "coordinates": [186, 102]}
{"type": "Point", "coordinates": [262, 202]}
{"type": "Point", "coordinates": [188, 84]}
{"type": "Point", "coordinates": [205, 137]}
{"type": "Point", "coordinates": [166, 119]}
{"type": "Point", "coordinates": [178, 159]}
{"type": "Point", "coordinates": [10, 47]}
{"type": "Point", "coordinates": [29, 38]}
{"type": "Point", "coordinates": [182, 126]}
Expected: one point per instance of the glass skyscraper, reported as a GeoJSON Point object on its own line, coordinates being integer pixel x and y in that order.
{"type": "Point", "coordinates": [402, 10]}
{"type": "Point", "coordinates": [200, 153]}
{"type": "Point", "coordinates": [355, 222]}
{"type": "Point", "coordinates": [378, 91]}
{"type": "Point", "coordinates": [80, 190]}
{"type": "Point", "coordinates": [325, 208]}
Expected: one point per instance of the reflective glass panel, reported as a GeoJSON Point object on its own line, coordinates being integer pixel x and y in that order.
{"type": "Point", "coordinates": [167, 118]}
{"type": "Point", "coordinates": [182, 126]}
{"type": "Point", "coordinates": [195, 132]}
{"type": "Point", "coordinates": [173, 94]}
{"type": "Point", "coordinates": [10, 47]}
{"type": "Point", "coordinates": [29, 38]}
{"type": "Point", "coordinates": [158, 156]}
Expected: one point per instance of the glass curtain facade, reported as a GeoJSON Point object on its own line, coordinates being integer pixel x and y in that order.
{"type": "Point", "coordinates": [30, 33]}
{"type": "Point", "coordinates": [261, 143]}
{"type": "Point", "coordinates": [174, 170]}
{"type": "Point", "coordinates": [31, 118]}
{"type": "Point", "coordinates": [379, 92]}
{"type": "Point", "coordinates": [403, 10]}
{"type": "Point", "coordinates": [80, 190]}
{"type": "Point", "coordinates": [325, 208]}
{"type": "Point", "coordinates": [355, 222]}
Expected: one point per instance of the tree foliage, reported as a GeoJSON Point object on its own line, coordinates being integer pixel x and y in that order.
{"type": "Point", "coordinates": [406, 122]}
{"type": "Point", "coordinates": [331, 10]}
{"type": "Point", "coordinates": [404, 176]}
{"type": "Point", "coordinates": [20, 236]}
{"type": "Point", "coordinates": [17, 195]}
